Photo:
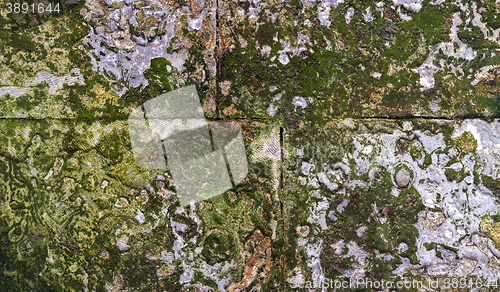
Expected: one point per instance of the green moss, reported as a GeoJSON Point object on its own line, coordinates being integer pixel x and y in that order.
{"type": "Point", "coordinates": [217, 218]}
{"type": "Point", "coordinates": [415, 152]}
{"type": "Point", "coordinates": [266, 32]}
{"type": "Point", "coordinates": [491, 183]}
{"type": "Point", "coordinates": [449, 248]}
{"type": "Point", "coordinates": [496, 217]}
{"type": "Point", "coordinates": [466, 142]}
{"type": "Point", "coordinates": [430, 245]}
{"type": "Point", "coordinates": [433, 245]}
{"type": "Point", "coordinates": [453, 175]}
{"type": "Point", "coordinates": [20, 41]}
{"type": "Point", "coordinates": [472, 36]}
{"type": "Point", "coordinates": [218, 246]}
{"type": "Point", "coordinates": [427, 161]}
{"type": "Point", "coordinates": [490, 16]}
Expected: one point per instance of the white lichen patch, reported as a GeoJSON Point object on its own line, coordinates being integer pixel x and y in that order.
{"type": "Point", "coordinates": [125, 65]}
{"type": "Point", "coordinates": [140, 217]}
{"type": "Point", "coordinates": [413, 5]}
{"type": "Point", "coordinates": [455, 230]}
{"type": "Point", "coordinates": [299, 101]}
{"type": "Point", "coordinates": [122, 243]}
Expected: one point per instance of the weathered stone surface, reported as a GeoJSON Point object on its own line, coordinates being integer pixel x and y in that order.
{"type": "Point", "coordinates": [336, 190]}
{"type": "Point", "coordinates": [105, 58]}
{"type": "Point", "coordinates": [308, 61]}
{"type": "Point", "coordinates": [74, 202]}
{"type": "Point", "coordinates": [378, 223]}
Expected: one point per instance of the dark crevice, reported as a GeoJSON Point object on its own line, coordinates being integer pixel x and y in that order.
{"type": "Point", "coordinates": [164, 155]}
{"type": "Point", "coordinates": [88, 119]}
{"type": "Point", "coordinates": [218, 56]}
{"type": "Point", "coordinates": [454, 118]}
{"type": "Point", "coordinates": [125, 117]}
{"type": "Point", "coordinates": [282, 158]}
{"type": "Point", "coordinates": [281, 198]}
{"type": "Point", "coordinates": [252, 119]}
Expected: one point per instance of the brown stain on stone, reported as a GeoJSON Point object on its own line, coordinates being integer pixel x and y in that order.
{"type": "Point", "coordinates": [260, 260]}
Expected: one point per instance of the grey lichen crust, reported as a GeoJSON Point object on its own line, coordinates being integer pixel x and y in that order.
{"type": "Point", "coordinates": [405, 197]}
{"type": "Point", "coordinates": [344, 181]}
